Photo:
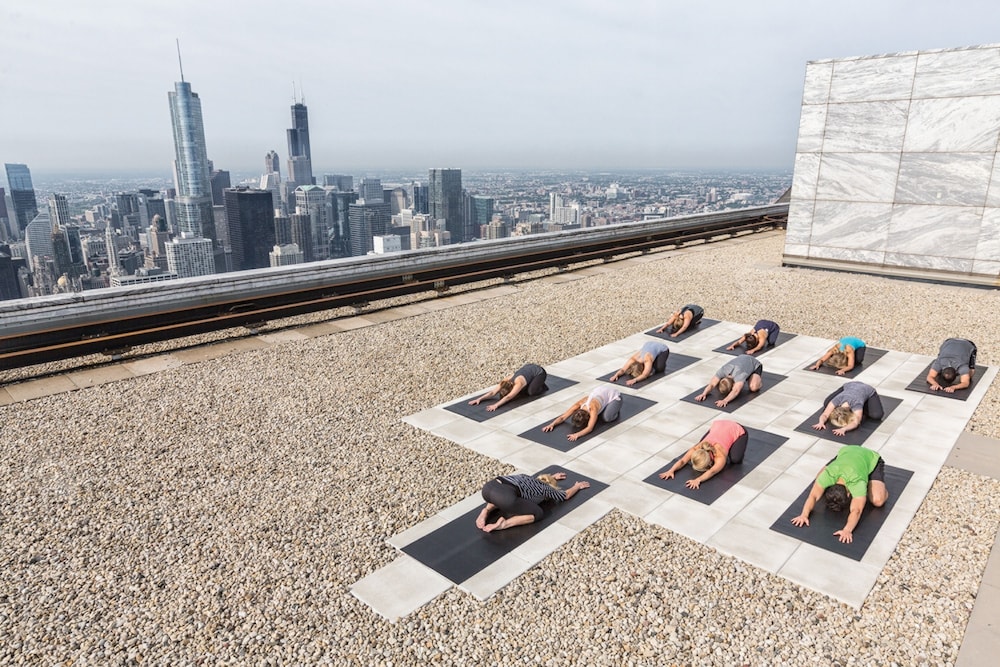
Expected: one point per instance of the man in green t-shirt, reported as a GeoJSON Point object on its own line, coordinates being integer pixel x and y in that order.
{"type": "Point", "coordinates": [856, 475]}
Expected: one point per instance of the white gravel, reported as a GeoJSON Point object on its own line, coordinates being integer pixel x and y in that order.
{"type": "Point", "coordinates": [218, 513]}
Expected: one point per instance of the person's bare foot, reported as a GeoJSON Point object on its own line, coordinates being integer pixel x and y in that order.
{"type": "Point", "coordinates": [481, 519]}
{"type": "Point", "coordinates": [499, 524]}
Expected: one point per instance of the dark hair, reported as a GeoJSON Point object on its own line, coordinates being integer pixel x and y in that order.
{"type": "Point", "coordinates": [580, 418]}
{"type": "Point", "coordinates": [750, 340]}
{"type": "Point", "coordinates": [836, 498]}
{"type": "Point", "coordinates": [949, 374]}
{"type": "Point", "coordinates": [505, 387]}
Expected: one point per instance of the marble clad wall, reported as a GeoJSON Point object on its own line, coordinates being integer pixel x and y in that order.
{"type": "Point", "coordinates": [896, 163]}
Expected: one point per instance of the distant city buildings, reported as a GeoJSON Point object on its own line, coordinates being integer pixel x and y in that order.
{"type": "Point", "coordinates": [189, 256]}
{"type": "Point", "coordinates": [445, 202]}
{"type": "Point", "coordinates": [250, 223]}
{"type": "Point", "coordinates": [22, 195]}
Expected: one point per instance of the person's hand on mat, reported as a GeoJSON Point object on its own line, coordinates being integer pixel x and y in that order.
{"type": "Point", "coordinates": [839, 431]}
{"type": "Point", "coordinates": [632, 382]}
{"type": "Point", "coordinates": [819, 426]}
{"type": "Point", "coordinates": [667, 475]}
{"type": "Point", "coordinates": [936, 387]}
{"type": "Point", "coordinates": [800, 521]}
{"type": "Point", "coordinates": [700, 397]}
{"type": "Point", "coordinates": [949, 389]}
{"type": "Point", "coordinates": [572, 437]}
{"type": "Point", "coordinates": [721, 403]}
{"type": "Point", "coordinates": [475, 401]}
{"type": "Point", "coordinates": [845, 536]}
{"type": "Point", "coordinates": [692, 483]}
{"type": "Point", "coordinates": [548, 428]}
{"type": "Point", "coordinates": [841, 372]}
{"type": "Point", "coordinates": [560, 476]}
{"type": "Point", "coordinates": [582, 485]}
{"type": "Point", "coordinates": [491, 408]}
{"type": "Point", "coordinates": [815, 367]}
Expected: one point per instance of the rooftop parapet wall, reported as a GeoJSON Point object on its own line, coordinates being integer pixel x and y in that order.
{"type": "Point", "coordinates": [896, 168]}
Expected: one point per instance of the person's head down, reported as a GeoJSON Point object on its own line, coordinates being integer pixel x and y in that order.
{"type": "Point", "coordinates": [948, 374]}
{"type": "Point", "coordinates": [836, 497]}
{"type": "Point", "coordinates": [725, 386]}
{"type": "Point", "coordinates": [635, 369]}
{"type": "Point", "coordinates": [837, 360]}
{"type": "Point", "coordinates": [579, 418]}
{"type": "Point", "coordinates": [841, 416]}
{"type": "Point", "coordinates": [505, 387]}
{"type": "Point", "coordinates": [703, 456]}
{"type": "Point", "coordinates": [549, 479]}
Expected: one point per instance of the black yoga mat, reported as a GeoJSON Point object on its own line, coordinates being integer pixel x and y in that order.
{"type": "Point", "coordinates": [458, 549]}
{"type": "Point", "coordinates": [872, 354]}
{"type": "Point", "coordinates": [760, 445]}
{"type": "Point", "coordinates": [556, 438]}
{"type": "Point", "coordinates": [823, 523]}
{"type": "Point", "coordinates": [480, 414]}
{"type": "Point", "coordinates": [769, 381]}
{"type": "Point", "coordinates": [920, 385]}
{"type": "Point", "coordinates": [675, 362]}
{"type": "Point", "coordinates": [690, 331]}
{"type": "Point", "coordinates": [739, 349]}
{"type": "Point", "coordinates": [858, 435]}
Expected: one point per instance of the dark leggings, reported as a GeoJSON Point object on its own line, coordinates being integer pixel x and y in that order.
{"type": "Point", "coordinates": [537, 385]}
{"type": "Point", "coordinates": [972, 357]}
{"type": "Point", "coordinates": [610, 411]}
{"type": "Point", "coordinates": [873, 406]}
{"type": "Point", "coordinates": [508, 500]}
{"type": "Point", "coordinates": [660, 362]}
{"type": "Point", "coordinates": [859, 355]}
{"type": "Point", "coordinates": [737, 450]}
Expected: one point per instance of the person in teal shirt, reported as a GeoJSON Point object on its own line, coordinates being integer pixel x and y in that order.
{"type": "Point", "coordinates": [855, 476]}
{"type": "Point", "coordinates": [843, 356]}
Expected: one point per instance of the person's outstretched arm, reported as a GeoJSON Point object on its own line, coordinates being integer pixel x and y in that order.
{"type": "Point", "coordinates": [594, 411]}
{"type": "Point", "coordinates": [814, 495]}
{"type": "Point", "coordinates": [720, 463]}
{"type": "Point", "coordinates": [571, 491]}
{"type": "Point", "coordinates": [708, 389]}
{"type": "Point", "coordinates": [822, 360]}
{"type": "Point", "coordinates": [846, 534]}
{"type": "Point", "coordinates": [683, 461]}
{"type": "Point", "coordinates": [490, 394]}
{"type": "Point", "coordinates": [519, 384]}
{"type": "Point", "coordinates": [737, 388]}
{"type": "Point", "coordinates": [761, 341]}
{"type": "Point", "coordinates": [932, 380]}
{"type": "Point", "coordinates": [855, 422]}
{"type": "Point", "coordinates": [621, 371]}
{"type": "Point", "coordinates": [647, 370]}
{"type": "Point", "coordinates": [667, 323]}
{"type": "Point", "coordinates": [684, 326]}
{"type": "Point", "coordinates": [820, 424]}
{"type": "Point", "coordinates": [849, 351]}
{"type": "Point", "coordinates": [564, 416]}
{"type": "Point", "coordinates": [965, 382]}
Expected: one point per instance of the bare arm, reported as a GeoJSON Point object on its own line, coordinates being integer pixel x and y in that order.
{"type": "Point", "coordinates": [932, 380]}
{"type": "Point", "coordinates": [850, 361]}
{"type": "Point", "coordinates": [564, 416]}
{"type": "Point", "coordinates": [720, 463]}
{"type": "Point", "coordinates": [851, 425]}
{"type": "Point", "coordinates": [827, 355]}
{"type": "Point", "coordinates": [490, 394]}
{"type": "Point", "coordinates": [667, 323]}
{"type": "Point", "coordinates": [621, 371]}
{"type": "Point", "coordinates": [814, 495]}
{"type": "Point", "coordinates": [737, 387]}
{"type": "Point", "coordinates": [708, 389]}
{"type": "Point", "coordinates": [761, 340]}
{"type": "Point", "coordinates": [519, 384]}
{"type": "Point", "coordinates": [683, 461]}
{"type": "Point", "coordinates": [965, 382]}
{"type": "Point", "coordinates": [647, 369]}
{"type": "Point", "coordinates": [821, 422]}
{"type": "Point", "coordinates": [846, 534]}
{"type": "Point", "coordinates": [571, 491]}
{"type": "Point", "coordinates": [684, 326]}
{"type": "Point", "coordinates": [594, 411]}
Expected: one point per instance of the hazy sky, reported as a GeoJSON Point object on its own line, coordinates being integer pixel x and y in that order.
{"type": "Point", "coordinates": [460, 83]}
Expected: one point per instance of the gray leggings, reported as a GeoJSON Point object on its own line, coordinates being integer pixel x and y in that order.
{"type": "Point", "coordinates": [610, 411]}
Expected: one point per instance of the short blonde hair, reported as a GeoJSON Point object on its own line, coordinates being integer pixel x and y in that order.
{"type": "Point", "coordinates": [549, 479]}
{"type": "Point", "coordinates": [635, 369]}
{"type": "Point", "coordinates": [725, 386]}
{"type": "Point", "coordinates": [837, 360]}
{"type": "Point", "coordinates": [702, 457]}
{"type": "Point", "coordinates": [505, 387]}
{"type": "Point", "coordinates": [841, 416]}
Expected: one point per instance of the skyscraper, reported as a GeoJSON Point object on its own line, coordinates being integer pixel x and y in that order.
{"type": "Point", "coordinates": [367, 221]}
{"type": "Point", "coordinates": [370, 189]}
{"type": "Point", "coordinates": [189, 256]}
{"type": "Point", "coordinates": [480, 213]}
{"type": "Point", "coordinates": [22, 194]}
{"type": "Point", "coordinates": [311, 200]}
{"type": "Point", "coordinates": [445, 201]}
{"type": "Point", "coordinates": [271, 163]}
{"type": "Point", "coordinates": [299, 155]}
{"type": "Point", "coordinates": [191, 166]}
{"type": "Point", "coordinates": [250, 219]}
{"type": "Point", "coordinates": [5, 231]}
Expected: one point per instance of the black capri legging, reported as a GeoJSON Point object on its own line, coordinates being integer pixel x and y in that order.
{"type": "Point", "coordinates": [660, 361]}
{"type": "Point", "coordinates": [508, 499]}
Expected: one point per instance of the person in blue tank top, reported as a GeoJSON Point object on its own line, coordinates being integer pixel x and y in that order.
{"type": "Point", "coordinates": [844, 355]}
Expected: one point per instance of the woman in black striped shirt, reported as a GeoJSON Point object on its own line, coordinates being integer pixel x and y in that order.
{"type": "Point", "coordinates": [519, 498]}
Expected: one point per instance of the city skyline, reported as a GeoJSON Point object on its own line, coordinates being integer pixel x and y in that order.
{"type": "Point", "coordinates": [523, 85]}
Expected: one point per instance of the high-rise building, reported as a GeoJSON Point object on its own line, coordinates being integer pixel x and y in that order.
{"type": "Point", "coordinates": [312, 200]}
{"type": "Point", "coordinates": [59, 210]}
{"type": "Point", "coordinates": [191, 166]}
{"type": "Point", "coordinates": [340, 228]}
{"type": "Point", "coordinates": [420, 204]}
{"type": "Point", "coordinates": [271, 163]}
{"type": "Point", "coordinates": [366, 221]}
{"type": "Point", "coordinates": [342, 182]}
{"type": "Point", "coordinates": [301, 224]}
{"type": "Point", "coordinates": [250, 220]}
{"type": "Point", "coordinates": [299, 154]}
{"type": "Point", "coordinates": [38, 239]}
{"type": "Point", "coordinates": [286, 254]}
{"type": "Point", "coordinates": [282, 230]}
{"type": "Point", "coordinates": [480, 213]}
{"type": "Point", "coordinates": [219, 180]}
{"type": "Point", "coordinates": [370, 190]}
{"type": "Point", "coordinates": [445, 201]}
{"type": "Point", "coordinates": [10, 268]}
{"type": "Point", "coordinates": [5, 230]}
{"type": "Point", "coordinates": [190, 256]}
{"type": "Point", "coordinates": [22, 194]}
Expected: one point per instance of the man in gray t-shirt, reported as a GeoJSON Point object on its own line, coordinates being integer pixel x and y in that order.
{"type": "Point", "coordinates": [730, 379]}
{"type": "Point", "coordinates": [956, 359]}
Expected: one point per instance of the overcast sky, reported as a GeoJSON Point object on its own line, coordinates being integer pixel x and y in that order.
{"type": "Point", "coordinates": [459, 83]}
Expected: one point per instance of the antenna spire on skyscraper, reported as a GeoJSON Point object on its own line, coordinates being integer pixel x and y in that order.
{"type": "Point", "coordinates": [179, 63]}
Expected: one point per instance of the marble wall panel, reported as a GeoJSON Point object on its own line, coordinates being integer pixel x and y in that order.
{"type": "Point", "coordinates": [958, 73]}
{"type": "Point", "coordinates": [988, 245]}
{"type": "Point", "coordinates": [800, 221]}
{"type": "Point", "coordinates": [805, 176]}
{"type": "Point", "coordinates": [993, 193]}
{"type": "Point", "coordinates": [949, 264]}
{"type": "Point", "coordinates": [870, 79]}
{"type": "Point", "coordinates": [858, 226]}
{"type": "Point", "coordinates": [953, 125]}
{"type": "Point", "coordinates": [986, 267]}
{"type": "Point", "coordinates": [945, 231]}
{"type": "Point", "coordinates": [865, 177]}
{"type": "Point", "coordinates": [948, 179]}
{"type": "Point", "coordinates": [796, 249]}
{"type": "Point", "coordinates": [816, 89]}
{"type": "Point", "coordinates": [846, 254]}
{"type": "Point", "coordinates": [865, 127]}
{"type": "Point", "coordinates": [812, 124]}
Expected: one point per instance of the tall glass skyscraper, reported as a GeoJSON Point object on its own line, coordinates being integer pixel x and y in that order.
{"type": "Point", "coordinates": [191, 167]}
{"type": "Point", "coordinates": [444, 194]}
{"type": "Point", "coordinates": [299, 154]}
{"type": "Point", "coordinates": [22, 194]}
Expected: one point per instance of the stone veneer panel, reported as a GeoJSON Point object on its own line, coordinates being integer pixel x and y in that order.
{"type": "Point", "coordinates": [896, 163]}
